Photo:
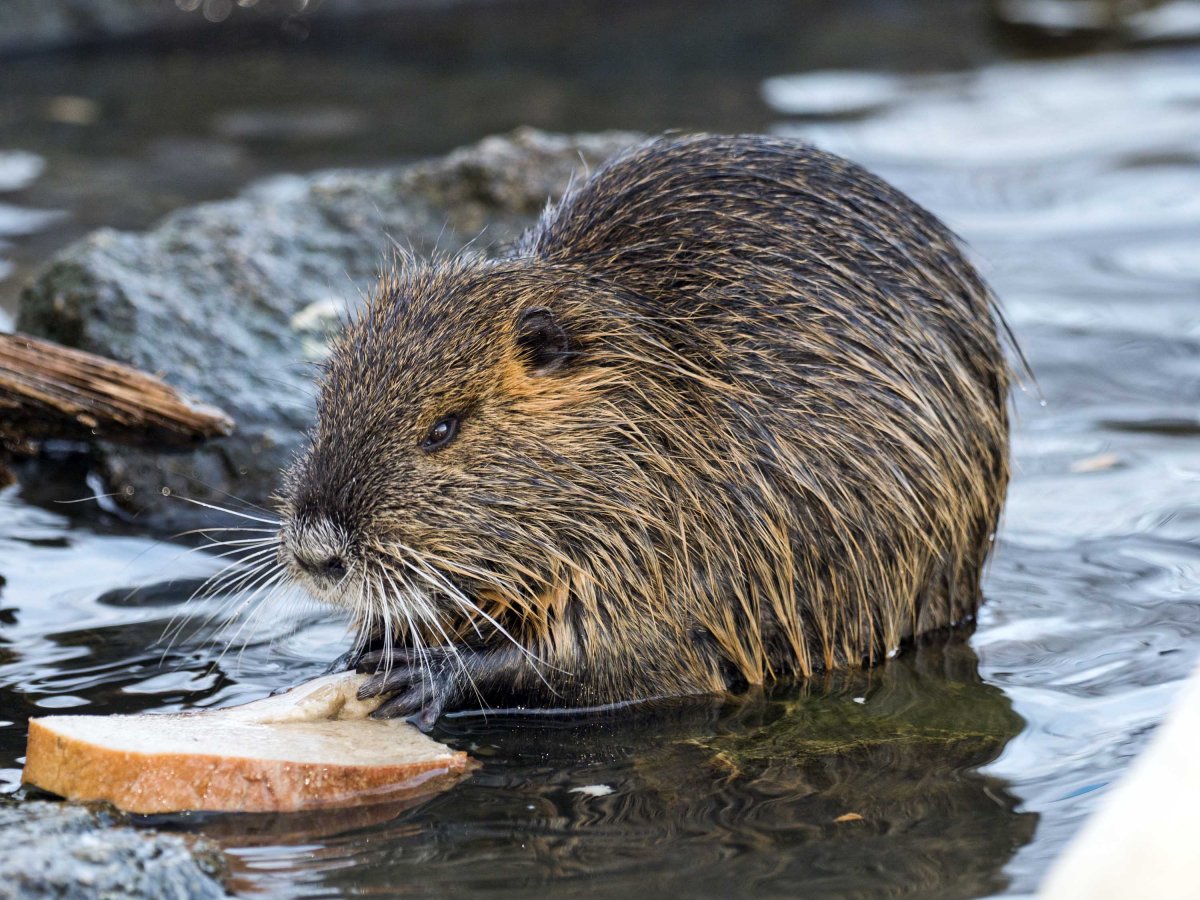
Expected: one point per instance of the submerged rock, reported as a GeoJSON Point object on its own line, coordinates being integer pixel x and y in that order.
{"type": "Point", "coordinates": [56, 850]}
{"type": "Point", "coordinates": [232, 302]}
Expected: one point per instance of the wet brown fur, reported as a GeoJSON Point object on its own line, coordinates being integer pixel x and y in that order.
{"type": "Point", "coordinates": [777, 444]}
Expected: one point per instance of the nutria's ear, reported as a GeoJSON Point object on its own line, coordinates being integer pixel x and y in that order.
{"type": "Point", "coordinates": [543, 341]}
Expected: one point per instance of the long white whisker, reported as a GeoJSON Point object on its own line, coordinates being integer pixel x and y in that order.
{"type": "Point", "coordinates": [232, 549]}
{"type": "Point", "coordinates": [233, 576]}
{"type": "Point", "coordinates": [239, 542]}
{"type": "Point", "coordinates": [241, 557]}
{"type": "Point", "coordinates": [235, 581]}
{"type": "Point", "coordinates": [266, 601]}
{"type": "Point", "coordinates": [174, 627]}
{"type": "Point", "coordinates": [453, 649]}
{"type": "Point", "coordinates": [466, 569]}
{"type": "Point", "coordinates": [364, 617]}
{"type": "Point", "coordinates": [418, 642]}
{"type": "Point", "coordinates": [458, 597]}
{"type": "Point", "coordinates": [268, 583]}
{"type": "Point", "coordinates": [244, 593]}
{"type": "Point", "coordinates": [430, 616]}
{"type": "Point", "coordinates": [393, 604]}
{"type": "Point", "coordinates": [222, 509]}
{"type": "Point", "coordinates": [448, 586]}
{"type": "Point", "coordinates": [210, 529]}
{"type": "Point", "coordinates": [388, 653]}
{"type": "Point", "coordinates": [291, 607]}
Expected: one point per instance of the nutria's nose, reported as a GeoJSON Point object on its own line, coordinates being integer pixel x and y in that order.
{"type": "Point", "coordinates": [318, 550]}
{"type": "Point", "coordinates": [321, 567]}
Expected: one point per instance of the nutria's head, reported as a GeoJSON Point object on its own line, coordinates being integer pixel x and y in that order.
{"type": "Point", "coordinates": [442, 489]}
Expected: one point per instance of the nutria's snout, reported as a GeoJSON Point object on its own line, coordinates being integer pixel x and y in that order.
{"type": "Point", "coordinates": [316, 551]}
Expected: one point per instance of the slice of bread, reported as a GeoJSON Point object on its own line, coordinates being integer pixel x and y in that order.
{"type": "Point", "coordinates": [311, 747]}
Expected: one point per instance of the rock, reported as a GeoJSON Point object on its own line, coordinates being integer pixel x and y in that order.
{"type": "Point", "coordinates": [232, 302]}
{"type": "Point", "coordinates": [56, 850]}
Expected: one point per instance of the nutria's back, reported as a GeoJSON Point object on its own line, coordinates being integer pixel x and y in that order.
{"type": "Point", "coordinates": [734, 410]}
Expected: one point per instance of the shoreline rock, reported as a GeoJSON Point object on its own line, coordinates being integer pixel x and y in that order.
{"type": "Point", "coordinates": [232, 302]}
{"type": "Point", "coordinates": [61, 850]}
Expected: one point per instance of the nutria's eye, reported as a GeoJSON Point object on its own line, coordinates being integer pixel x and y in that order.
{"type": "Point", "coordinates": [442, 433]}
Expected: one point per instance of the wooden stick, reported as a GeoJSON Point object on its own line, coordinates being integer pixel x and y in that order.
{"type": "Point", "coordinates": [51, 391]}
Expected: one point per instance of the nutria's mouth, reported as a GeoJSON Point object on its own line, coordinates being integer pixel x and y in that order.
{"type": "Point", "coordinates": [390, 611]}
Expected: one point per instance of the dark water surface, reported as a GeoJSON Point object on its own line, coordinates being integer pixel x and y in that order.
{"type": "Point", "coordinates": [971, 760]}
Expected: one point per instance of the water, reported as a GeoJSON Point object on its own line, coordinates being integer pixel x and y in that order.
{"type": "Point", "coordinates": [971, 760]}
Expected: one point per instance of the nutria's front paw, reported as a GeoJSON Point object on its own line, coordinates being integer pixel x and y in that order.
{"type": "Point", "coordinates": [421, 684]}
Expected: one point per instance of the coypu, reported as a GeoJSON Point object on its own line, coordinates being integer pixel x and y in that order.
{"type": "Point", "coordinates": [733, 411]}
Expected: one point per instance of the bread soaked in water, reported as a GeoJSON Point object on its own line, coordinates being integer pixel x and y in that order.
{"type": "Point", "coordinates": [311, 747]}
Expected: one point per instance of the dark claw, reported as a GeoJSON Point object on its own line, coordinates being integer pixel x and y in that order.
{"type": "Point", "coordinates": [344, 663]}
{"type": "Point", "coordinates": [411, 701]}
{"type": "Point", "coordinates": [390, 681]}
{"type": "Point", "coordinates": [427, 715]}
{"type": "Point", "coordinates": [423, 684]}
{"type": "Point", "coordinates": [399, 656]}
{"type": "Point", "coordinates": [352, 659]}
{"type": "Point", "coordinates": [421, 704]}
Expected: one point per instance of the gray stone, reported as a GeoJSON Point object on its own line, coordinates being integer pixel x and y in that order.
{"type": "Point", "coordinates": [57, 850]}
{"type": "Point", "coordinates": [231, 302]}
